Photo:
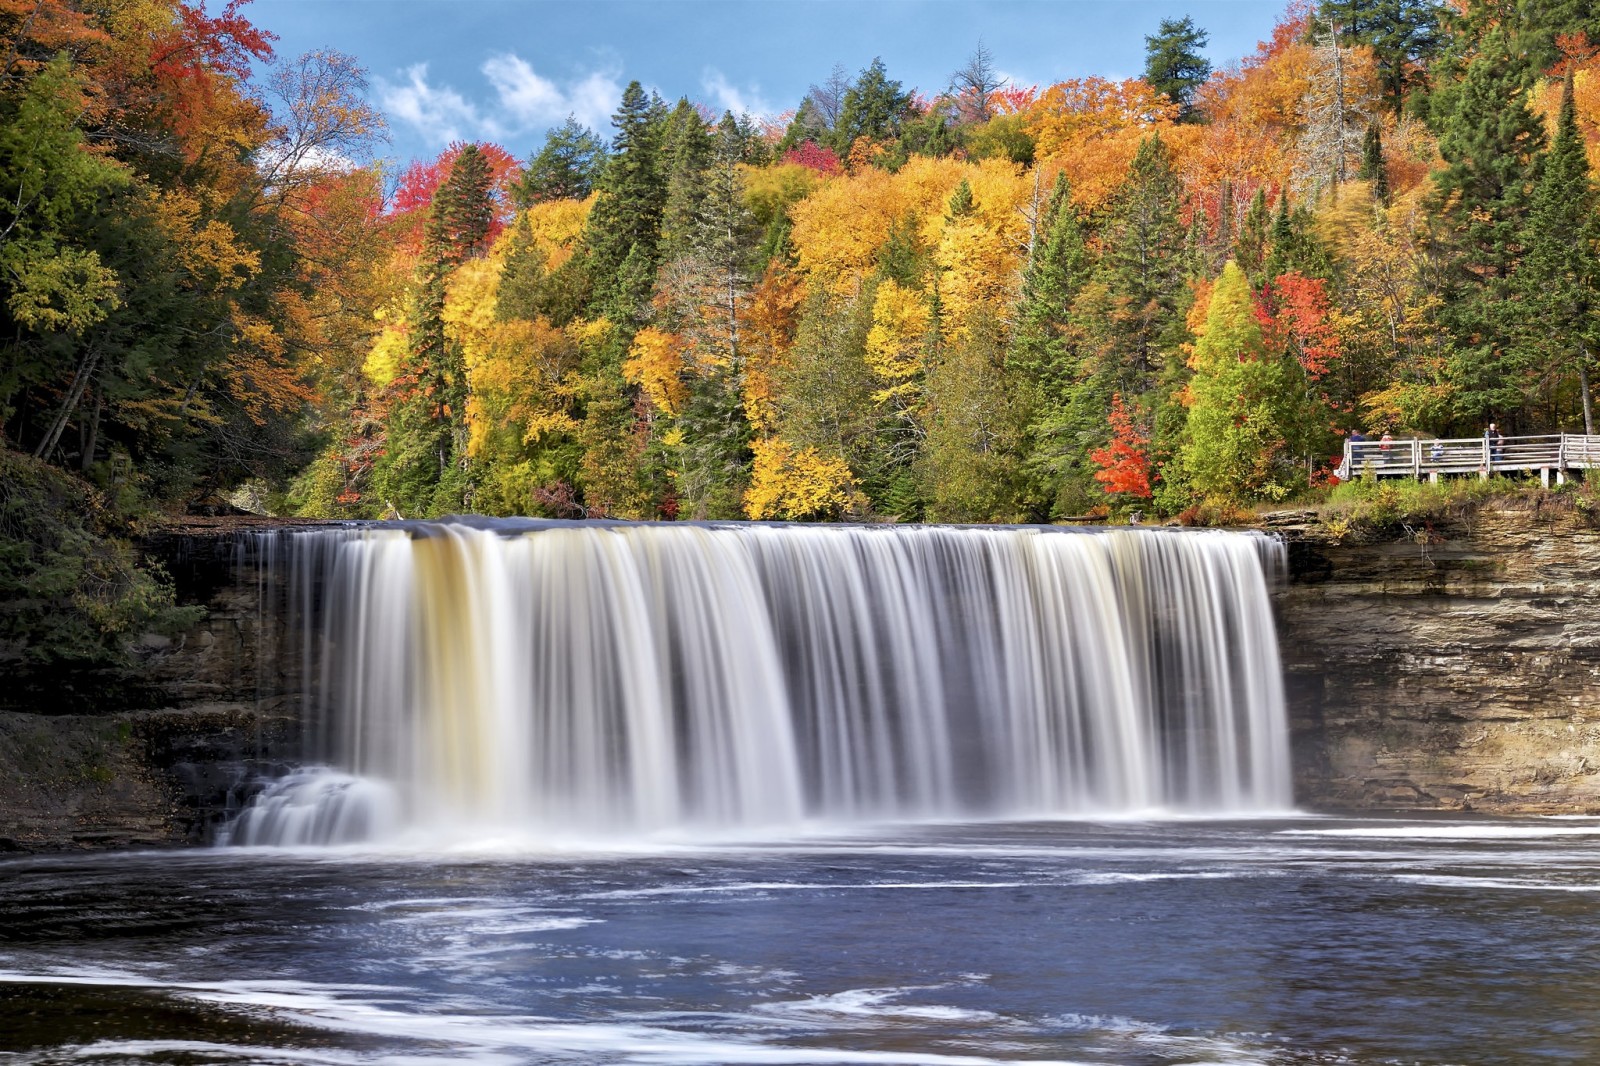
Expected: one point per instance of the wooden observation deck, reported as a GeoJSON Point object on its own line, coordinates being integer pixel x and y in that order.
{"type": "Point", "coordinates": [1552, 455]}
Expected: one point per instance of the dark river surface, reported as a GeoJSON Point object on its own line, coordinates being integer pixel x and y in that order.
{"type": "Point", "coordinates": [1407, 940]}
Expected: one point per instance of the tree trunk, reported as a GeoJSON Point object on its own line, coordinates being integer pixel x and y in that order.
{"type": "Point", "coordinates": [80, 381]}
{"type": "Point", "coordinates": [1583, 386]}
{"type": "Point", "coordinates": [92, 437]}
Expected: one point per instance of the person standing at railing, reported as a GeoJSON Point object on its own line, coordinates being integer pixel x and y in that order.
{"type": "Point", "coordinates": [1495, 443]}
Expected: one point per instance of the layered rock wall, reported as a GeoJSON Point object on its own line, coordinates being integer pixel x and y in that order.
{"type": "Point", "coordinates": [1452, 663]}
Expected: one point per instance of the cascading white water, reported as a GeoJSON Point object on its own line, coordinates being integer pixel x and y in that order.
{"type": "Point", "coordinates": [583, 679]}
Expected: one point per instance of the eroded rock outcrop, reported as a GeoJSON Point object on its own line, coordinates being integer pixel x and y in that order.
{"type": "Point", "coordinates": [1452, 663]}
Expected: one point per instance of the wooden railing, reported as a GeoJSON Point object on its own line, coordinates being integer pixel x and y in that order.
{"type": "Point", "coordinates": [1550, 453]}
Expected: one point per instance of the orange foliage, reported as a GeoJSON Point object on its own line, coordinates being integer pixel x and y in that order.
{"type": "Point", "coordinates": [1294, 314]}
{"type": "Point", "coordinates": [769, 327]}
{"type": "Point", "coordinates": [1092, 127]}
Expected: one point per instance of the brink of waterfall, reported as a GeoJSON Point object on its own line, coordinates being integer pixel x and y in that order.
{"type": "Point", "coordinates": [570, 681]}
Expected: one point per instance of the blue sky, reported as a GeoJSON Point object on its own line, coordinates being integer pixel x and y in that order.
{"type": "Point", "coordinates": [444, 70]}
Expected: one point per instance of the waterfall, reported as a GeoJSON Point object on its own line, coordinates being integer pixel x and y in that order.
{"type": "Point", "coordinates": [583, 679]}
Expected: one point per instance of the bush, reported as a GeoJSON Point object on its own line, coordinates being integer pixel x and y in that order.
{"type": "Point", "coordinates": [73, 594]}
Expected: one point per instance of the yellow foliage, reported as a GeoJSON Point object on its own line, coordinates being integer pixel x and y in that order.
{"type": "Point", "coordinates": [981, 254]}
{"type": "Point", "coordinates": [655, 364]}
{"type": "Point", "coordinates": [556, 226]}
{"type": "Point", "coordinates": [206, 251]}
{"type": "Point", "coordinates": [839, 228]}
{"type": "Point", "coordinates": [769, 331]}
{"type": "Point", "coordinates": [798, 486]}
{"type": "Point", "coordinates": [1586, 101]}
{"type": "Point", "coordinates": [895, 344]}
{"type": "Point", "coordinates": [387, 356]}
{"type": "Point", "coordinates": [767, 190]}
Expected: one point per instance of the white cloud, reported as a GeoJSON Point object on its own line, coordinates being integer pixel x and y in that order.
{"type": "Point", "coordinates": [533, 100]}
{"type": "Point", "coordinates": [523, 101]}
{"type": "Point", "coordinates": [440, 114]}
{"type": "Point", "coordinates": [725, 96]}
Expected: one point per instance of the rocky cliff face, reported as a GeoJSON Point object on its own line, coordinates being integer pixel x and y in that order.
{"type": "Point", "coordinates": [1447, 664]}
{"type": "Point", "coordinates": [211, 715]}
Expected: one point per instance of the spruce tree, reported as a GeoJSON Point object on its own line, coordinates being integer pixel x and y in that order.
{"type": "Point", "coordinates": [624, 228]}
{"type": "Point", "coordinates": [1558, 281]}
{"type": "Point", "coordinates": [1492, 143]}
{"type": "Point", "coordinates": [424, 469]}
{"type": "Point", "coordinates": [1174, 65]}
{"type": "Point", "coordinates": [686, 156]}
{"type": "Point", "coordinates": [566, 168]}
{"type": "Point", "coordinates": [873, 107]}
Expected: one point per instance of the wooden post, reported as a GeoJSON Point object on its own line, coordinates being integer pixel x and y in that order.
{"type": "Point", "coordinates": [1544, 477]}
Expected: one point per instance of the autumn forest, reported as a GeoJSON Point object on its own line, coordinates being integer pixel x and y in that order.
{"type": "Point", "coordinates": [974, 302]}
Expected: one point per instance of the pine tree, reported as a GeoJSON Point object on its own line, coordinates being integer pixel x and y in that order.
{"type": "Point", "coordinates": [873, 107]}
{"type": "Point", "coordinates": [1174, 65]}
{"type": "Point", "coordinates": [621, 238]}
{"type": "Point", "coordinates": [1558, 282]}
{"type": "Point", "coordinates": [1492, 143]}
{"type": "Point", "coordinates": [1404, 35]}
{"type": "Point", "coordinates": [686, 155]}
{"type": "Point", "coordinates": [424, 470]}
{"type": "Point", "coordinates": [566, 168]}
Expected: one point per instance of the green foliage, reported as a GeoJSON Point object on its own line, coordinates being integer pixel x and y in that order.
{"type": "Point", "coordinates": [73, 594]}
{"type": "Point", "coordinates": [1240, 400]}
{"type": "Point", "coordinates": [566, 168]}
{"type": "Point", "coordinates": [1404, 35]}
{"type": "Point", "coordinates": [1174, 65]}
{"type": "Point", "coordinates": [875, 106]}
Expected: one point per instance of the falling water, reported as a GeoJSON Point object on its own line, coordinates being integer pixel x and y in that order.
{"type": "Point", "coordinates": [564, 680]}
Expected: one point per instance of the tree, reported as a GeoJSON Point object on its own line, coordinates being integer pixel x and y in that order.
{"type": "Point", "coordinates": [1492, 143]}
{"type": "Point", "coordinates": [873, 108]}
{"type": "Point", "coordinates": [1558, 281]}
{"type": "Point", "coordinates": [626, 220]}
{"type": "Point", "coordinates": [1235, 437]}
{"type": "Point", "coordinates": [1337, 110]}
{"type": "Point", "coordinates": [1174, 65]}
{"type": "Point", "coordinates": [976, 87]}
{"type": "Point", "coordinates": [566, 168]}
{"type": "Point", "coordinates": [1404, 35]}
{"type": "Point", "coordinates": [685, 157]}
{"type": "Point", "coordinates": [1372, 165]}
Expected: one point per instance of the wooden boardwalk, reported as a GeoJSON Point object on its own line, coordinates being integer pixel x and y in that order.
{"type": "Point", "coordinates": [1552, 455]}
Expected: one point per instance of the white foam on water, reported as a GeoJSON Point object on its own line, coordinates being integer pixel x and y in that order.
{"type": "Point", "coordinates": [1522, 830]}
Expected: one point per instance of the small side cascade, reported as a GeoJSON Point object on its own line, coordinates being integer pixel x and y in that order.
{"type": "Point", "coordinates": [581, 680]}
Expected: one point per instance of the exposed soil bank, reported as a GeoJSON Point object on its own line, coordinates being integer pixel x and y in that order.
{"type": "Point", "coordinates": [1451, 663]}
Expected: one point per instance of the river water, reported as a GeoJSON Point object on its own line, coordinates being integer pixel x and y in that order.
{"type": "Point", "coordinates": [1291, 940]}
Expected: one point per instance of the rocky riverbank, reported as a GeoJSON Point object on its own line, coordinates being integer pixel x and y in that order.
{"type": "Point", "coordinates": [1451, 662]}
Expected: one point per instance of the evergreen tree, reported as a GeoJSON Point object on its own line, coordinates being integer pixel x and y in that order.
{"type": "Point", "coordinates": [1043, 358]}
{"type": "Point", "coordinates": [686, 155]}
{"type": "Point", "coordinates": [873, 107]}
{"type": "Point", "coordinates": [620, 240]}
{"type": "Point", "coordinates": [715, 281]}
{"type": "Point", "coordinates": [1558, 282]}
{"type": "Point", "coordinates": [424, 468]}
{"type": "Point", "coordinates": [1174, 64]}
{"type": "Point", "coordinates": [1404, 35]}
{"type": "Point", "coordinates": [1255, 236]}
{"type": "Point", "coordinates": [566, 168]}
{"type": "Point", "coordinates": [1295, 245]}
{"type": "Point", "coordinates": [1492, 144]}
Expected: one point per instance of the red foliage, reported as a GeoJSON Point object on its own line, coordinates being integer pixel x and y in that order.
{"type": "Point", "coordinates": [1011, 99]}
{"type": "Point", "coordinates": [408, 207]}
{"type": "Point", "coordinates": [1293, 312]}
{"type": "Point", "coordinates": [813, 155]}
{"type": "Point", "coordinates": [1125, 461]}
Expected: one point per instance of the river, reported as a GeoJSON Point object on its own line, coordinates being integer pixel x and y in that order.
{"type": "Point", "coordinates": [1288, 940]}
